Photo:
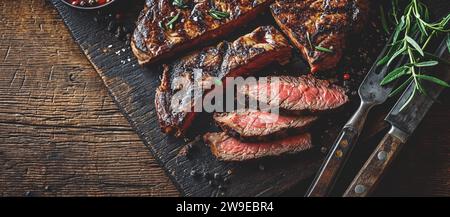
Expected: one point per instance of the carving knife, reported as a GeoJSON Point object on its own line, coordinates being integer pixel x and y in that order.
{"type": "Point", "coordinates": [371, 93]}
{"type": "Point", "coordinates": [403, 123]}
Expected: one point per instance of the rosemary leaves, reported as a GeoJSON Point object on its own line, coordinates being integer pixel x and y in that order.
{"type": "Point", "coordinates": [172, 21]}
{"type": "Point", "coordinates": [218, 15]}
{"type": "Point", "coordinates": [414, 21]}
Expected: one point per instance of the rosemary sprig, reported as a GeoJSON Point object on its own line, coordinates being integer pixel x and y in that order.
{"type": "Point", "coordinates": [414, 21]}
{"type": "Point", "coordinates": [317, 47]}
{"type": "Point", "coordinates": [172, 21]}
{"type": "Point", "coordinates": [179, 3]}
{"type": "Point", "coordinates": [218, 15]}
{"type": "Point", "coordinates": [448, 42]}
{"type": "Point", "coordinates": [327, 50]}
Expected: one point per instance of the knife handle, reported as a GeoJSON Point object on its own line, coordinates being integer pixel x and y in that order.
{"type": "Point", "coordinates": [369, 175]}
{"type": "Point", "coordinates": [338, 154]}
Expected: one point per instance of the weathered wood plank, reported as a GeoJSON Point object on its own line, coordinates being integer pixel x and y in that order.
{"type": "Point", "coordinates": [60, 132]}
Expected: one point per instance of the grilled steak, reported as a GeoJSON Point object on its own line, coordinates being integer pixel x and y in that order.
{"type": "Point", "coordinates": [228, 148]}
{"type": "Point", "coordinates": [249, 53]}
{"type": "Point", "coordinates": [297, 94]}
{"type": "Point", "coordinates": [164, 29]}
{"type": "Point", "coordinates": [322, 23]}
{"type": "Point", "coordinates": [254, 125]}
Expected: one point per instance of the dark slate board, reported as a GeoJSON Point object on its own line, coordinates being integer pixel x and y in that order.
{"type": "Point", "coordinates": [132, 88]}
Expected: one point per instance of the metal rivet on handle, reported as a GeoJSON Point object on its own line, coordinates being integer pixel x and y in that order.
{"type": "Point", "coordinates": [339, 153]}
{"type": "Point", "coordinates": [344, 143]}
{"type": "Point", "coordinates": [382, 155]}
{"type": "Point", "coordinates": [359, 189]}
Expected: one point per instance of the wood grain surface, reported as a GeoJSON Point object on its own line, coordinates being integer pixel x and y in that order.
{"type": "Point", "coordinates": [61, 134]}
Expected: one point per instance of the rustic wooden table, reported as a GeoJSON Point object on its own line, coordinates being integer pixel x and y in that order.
{"type": "Point", "coordinates": [61, 134]}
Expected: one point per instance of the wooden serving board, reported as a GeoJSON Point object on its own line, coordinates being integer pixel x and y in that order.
{"type": "Point", "coordinates": [133, 87]}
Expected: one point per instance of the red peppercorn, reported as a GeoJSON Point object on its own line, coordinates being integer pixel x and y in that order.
{"type": "Point", "coordinates": [346, 76]}
{"type": "Point", "coordinates": [76, 2]}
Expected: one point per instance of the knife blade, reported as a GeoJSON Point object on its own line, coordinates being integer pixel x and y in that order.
{"type": "Point", "coordinates": [371, 94]}
{"type": "Point", "coordinates": [404, 119]}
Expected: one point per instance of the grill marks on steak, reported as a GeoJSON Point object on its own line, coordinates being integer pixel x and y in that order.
{"type": "Point", "coordinates": [228, 148]}
{"type": "Point", "coordinates": [297, 94]}
{"type": "Point", "coordinates": [194, 25]}
{"type": "Point", "coordinates": [326, 22]}
{"type": "Point", "coordinates": [254, 125]}
{"type": "Point", "coordinates": [247, 54]}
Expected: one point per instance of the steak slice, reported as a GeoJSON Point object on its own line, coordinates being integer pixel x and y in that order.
{"type": "Point", "coordinates": [192, 25]}
{"type": "Point", "coordinates": [323, 23]}
{"type": "Point", "coordinates": [227, 148]}
{"type": "Point", "coordinates": [254, 125]}
{"type": "Point", "coordinates": [296, 94]}
{"type": "Point", "coordinates": [249, 53]}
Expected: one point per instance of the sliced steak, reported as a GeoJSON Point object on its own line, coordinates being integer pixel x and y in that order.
{"type": "Point", "coordinates": [227, 148]}
{"type": "Point", "coordinates": [254, 125]}
{"type": "Point", "coordinates": [191, 25]}
{"type": "Point", "coordinates": [296, 94]}
{"type": "Point", "coordinates": [249, 53]}
{"type": "Point", "coordinates": [323, 23]}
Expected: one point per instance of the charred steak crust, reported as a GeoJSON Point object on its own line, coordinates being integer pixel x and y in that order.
{"type": "Point", "coordinates": [326, 22]}
{"type": "Point", "coordinates": [153, 41]}
{"type": "Point", "coordinates": [298, 95]}
{"type": "Point", "coordinates": [247, 54]}
{"type": "Point", "coordinates": [171, 122]}
{"type": "Point", "coordinates": [254, 125]}
{"type": "Point", "coordinates": [227, 148]}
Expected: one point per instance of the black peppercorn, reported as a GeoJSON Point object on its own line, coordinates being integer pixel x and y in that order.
{"type": "Point", "coordinates": [194, 173]}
